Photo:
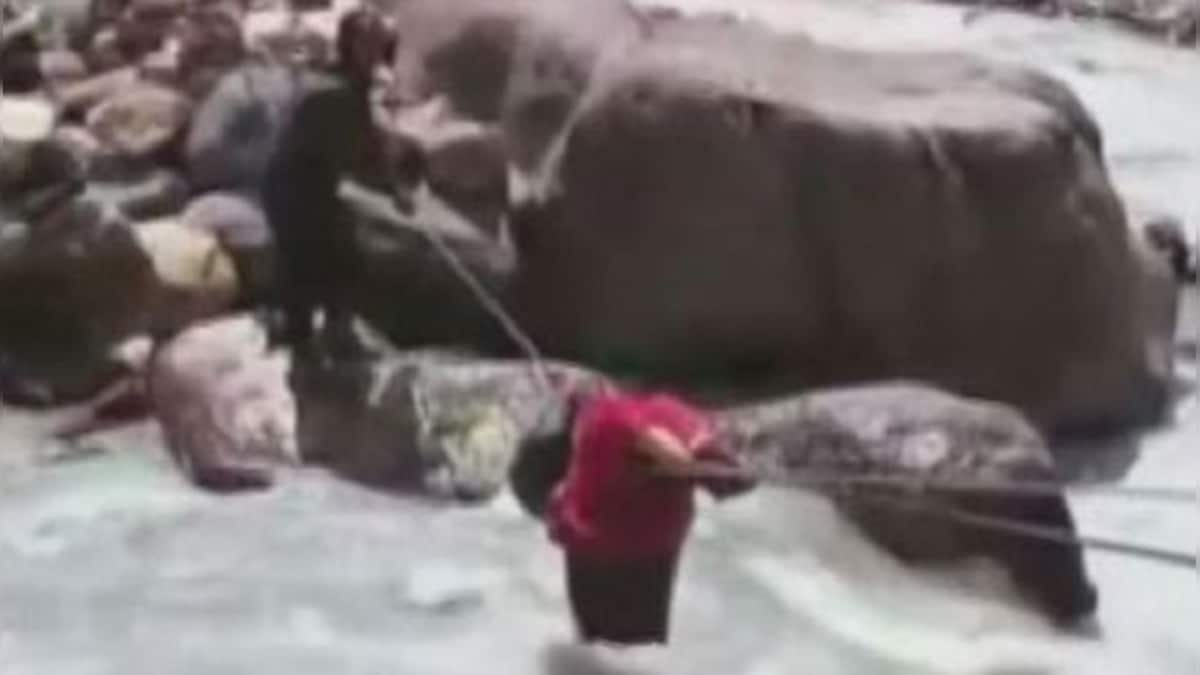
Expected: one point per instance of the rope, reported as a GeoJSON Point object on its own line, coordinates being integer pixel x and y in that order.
{"type": "Point", "coordinates": [381, 207]}
{"type": "Point", "coordinates": [914, 501]}
{"type": "Point", "coordinates": [1023, 488]}
{"type": "Point", "coordinates": [1040, 532]}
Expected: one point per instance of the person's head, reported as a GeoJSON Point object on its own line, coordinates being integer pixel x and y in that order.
{"type": "Point", "coordinates": [545, 454]}
{"type": "Point", "coordinates": [364, 42]}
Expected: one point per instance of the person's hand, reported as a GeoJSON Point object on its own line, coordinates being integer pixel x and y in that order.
{"type": "Point", "coordinates": [736, 482]}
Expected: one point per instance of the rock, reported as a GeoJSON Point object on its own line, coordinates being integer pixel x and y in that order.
{"type": "Point", "coordinates": [80, 143]}
{"type": "Point", "coordinates": [26, 119]}
{"type": "Point", "coordinates": [1159, 291]}
{"type": "Point", "coordinates": [464, 162]}
{"type": "Point", "coordinates": [210, 45]}
{"type": "Point", "coordinates": [235, 127]}
{"type": "Point", "coordinates": [195, 277]}
{"type": "Point", "coordinates": [140, 122]}
{"type": "Point", "coordinates": [221, 398]}
{"type": "Point", "coordinates": [520, 64]}
{"type": "Point", "coordinates": [914, 431]}
{"type": "Point", "coordinates": [425, 421]}
{"type": "Point", "coordinates": [103, 53]}
{"type": "Point", "coordinates": [61, 67]}
{"type": "Point", "coordinates": [689, 155]}
{"type": "Point", "coordinates": [241, 227]}
{"type": "Point", "coordinates": [144, 25]}
{"type": "Point", "coordinates": [140, 194]}
{"type": "Point", "coordinates": [286, 38]}
{"type": "Point", "coordinates": [19, 46]}
{"type": "Point", "coordinates": [39, 176]}
{"type": "Point", "coordinates": [86, 258]}
{"type": "Point", "coordinates": [410, 292]}
{"type": "Point", "coordinates": [78, 98]}
{"type": "Point", "coordinates": [161, 68]}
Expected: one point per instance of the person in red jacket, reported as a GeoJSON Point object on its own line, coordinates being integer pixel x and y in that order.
{"type": "Point", "coordinates": [624, 508]}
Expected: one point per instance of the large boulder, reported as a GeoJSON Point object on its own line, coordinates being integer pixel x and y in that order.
{"type": "Point", "coordinates": [221, 397]}
{"type": "Point", "coordinates": [729, 200]}
{"type": "Point", "coordinates": [914, 432]}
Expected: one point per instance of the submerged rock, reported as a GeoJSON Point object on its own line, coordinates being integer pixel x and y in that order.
{"type": "Point", "coordinates": [915, 432]}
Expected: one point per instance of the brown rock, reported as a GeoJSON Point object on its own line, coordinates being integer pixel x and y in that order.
{"type": "Point", "coordinates": [465, 162]}
{"type": "Point", "coordinates": [143, 25]}
{"type": "Point", "coordinates": [282, 37]}
{"type": "Point", "coordinates": [102, 53]}
{"type": "Point", "coordinates": [195, 277]}
{"type": "Point", "coordinates": [77, 98]}
{"type": "Point", "coordinates": [62, 67]}
{"type": "Point", "coordinates": [141, 121]}
{"type": "Point", "coordinates": [210, 45]}
{"type": "Point", "coordinates": [241, 228]}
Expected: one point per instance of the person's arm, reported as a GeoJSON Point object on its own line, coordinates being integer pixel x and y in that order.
{"type": "Point", "coordinates": [666, 451]}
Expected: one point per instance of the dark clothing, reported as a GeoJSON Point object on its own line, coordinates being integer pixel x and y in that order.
{"type": "Point", "coordinates": [622, 602]}
{"type": "Point", "coordinates": [328, 136]}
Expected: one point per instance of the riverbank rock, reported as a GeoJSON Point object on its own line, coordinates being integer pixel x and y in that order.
{"type": "Point", "coordinates": [210, 45]}
{"type": "Point", "coordinates": [241, 228]}
{"type": "Point", "coordinates": [72, 283]}
{"type": "Point", "coordinates": [426, 422]}
{"type": "Point", "coordinates": [721, 211]}
{"type": "Point", "coordinates": [221, 398]}
{"type": "Point", "coordinates": [138, 123]}
{"type": "Point", "coordinates": [234, 129]}
{"type": "Point", "coordinates": [915, 432]}
{"type": "Point", "coordinates": [195, 277]}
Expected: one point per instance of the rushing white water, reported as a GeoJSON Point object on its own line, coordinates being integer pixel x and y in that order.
{"type": "Point", "coordinates": [111, 564]}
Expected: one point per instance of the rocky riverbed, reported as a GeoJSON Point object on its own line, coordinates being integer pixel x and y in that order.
{"type": "Point", "coordinates": [111, 563]}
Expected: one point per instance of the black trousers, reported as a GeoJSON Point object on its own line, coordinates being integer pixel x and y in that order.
{"type": "Point", "coordinates": [626, 602]}
{"type": "Point", "coordinates": [318, 267]}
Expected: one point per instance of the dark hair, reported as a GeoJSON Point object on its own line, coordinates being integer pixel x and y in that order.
{"type": "Point", "coordinates": [543, 458]}
{"type": "Point", "coordinates": [353, 26]}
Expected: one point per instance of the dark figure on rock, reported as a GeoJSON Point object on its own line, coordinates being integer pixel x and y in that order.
{"type": "Point", "coordinates": [332, 134]}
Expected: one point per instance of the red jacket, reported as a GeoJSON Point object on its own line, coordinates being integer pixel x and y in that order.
{"type": "Point", "coordinates": [610, 505]}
